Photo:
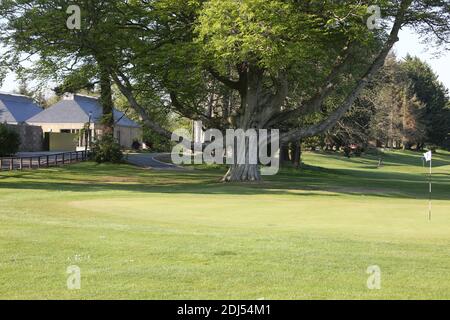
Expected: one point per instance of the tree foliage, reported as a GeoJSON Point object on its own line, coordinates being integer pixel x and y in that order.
{"type": "Point", "coordinates": [297, 65]}
{"type": "Point", "coordinates": [404, 106]}
{"type": "Point", "coordinates": [9, 141]}
{"type": "Point", "coordinates": [432, 93]}
{"type": "Point", "coordinates": [106, 149]}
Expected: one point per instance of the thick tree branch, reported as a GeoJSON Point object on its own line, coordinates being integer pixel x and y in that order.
{"type": "Point", "coordinates": [274, 101]}
{"type": "Point", "coordinates": [225, 80]}
{"type": "Point", "coordinates": [332, 119]}
{"type": "Point", "coordinates": [126, 89]}
{"type": "Point", "coordinates": [314, 104]}
{"type": "Point", "coordinates": [186, 111]}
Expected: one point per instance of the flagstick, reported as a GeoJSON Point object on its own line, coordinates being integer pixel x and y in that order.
{"type": "Point", "coordinates": [429, 196]}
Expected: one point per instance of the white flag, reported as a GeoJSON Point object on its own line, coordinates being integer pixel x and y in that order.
{"type": "Point", "coordinates": [427, 156]}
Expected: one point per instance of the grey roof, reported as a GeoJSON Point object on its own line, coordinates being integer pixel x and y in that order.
{"type": "Point", "coordinates": [17, 108]}
{"type": "Point", "coordinates": [77, 110]}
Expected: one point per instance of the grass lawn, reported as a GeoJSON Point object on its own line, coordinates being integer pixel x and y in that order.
{"type": "Point", "coordinates": [144, 234]}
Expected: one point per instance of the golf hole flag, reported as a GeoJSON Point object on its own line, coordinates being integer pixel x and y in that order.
{"type": "Point", "coordinates": [427, 157]}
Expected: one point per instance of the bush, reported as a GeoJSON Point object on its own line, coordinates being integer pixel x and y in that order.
{"type": "Point", "coordinates": [433, 148]}
{"type": "Point", "coordinates": [353, 150]}
{"type": "Point", "coordinates": [106, 149]}
{"type": "Point", "coordinates": [136, 145]}
{"type": "Point", "coordinates": [347, 151]}
{"type": "Point", "coordinates": [9, 141]}
{"type": "Point", "coordinates": [358, 151]}
{"type": "Point", "coordinates": [155, 142]}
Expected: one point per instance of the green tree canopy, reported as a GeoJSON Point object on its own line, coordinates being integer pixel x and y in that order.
{"type": "Point", "coordinates": [242, 64]}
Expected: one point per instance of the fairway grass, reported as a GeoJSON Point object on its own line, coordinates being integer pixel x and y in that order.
{"type": "Point", "coordinates": [303, 234]}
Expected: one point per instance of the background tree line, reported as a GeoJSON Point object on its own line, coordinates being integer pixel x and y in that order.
{"type": "Point", "coordinates": [405, 106]}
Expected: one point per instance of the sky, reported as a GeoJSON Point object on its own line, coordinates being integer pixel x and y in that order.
{"type": "Point", "coordinates": [439, 60]}
{"type": "Point", "coordinates": [409, 43]}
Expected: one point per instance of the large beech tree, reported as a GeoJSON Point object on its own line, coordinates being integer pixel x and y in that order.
{"type": "Point", "coordinates": [232, 64]}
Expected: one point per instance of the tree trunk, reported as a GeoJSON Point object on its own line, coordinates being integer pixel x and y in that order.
{"type": "Point", "coordinates": [284, 153]}
{"type": "Point", "coordinates": [245, 167]}
{"type": "Point", "coordinates": [296, 154]}
{"type": "Point", "coordinates": [251, 93]}
{"type": "Point", "coordinates": [242, 172]}
{"type": "Point", "coordinates": [106, 101]}
{"type": "Point", "coordinates": [419, 146]}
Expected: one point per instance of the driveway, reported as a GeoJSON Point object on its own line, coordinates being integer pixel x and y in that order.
{"type": "Point", "coordinates": [148, 161]}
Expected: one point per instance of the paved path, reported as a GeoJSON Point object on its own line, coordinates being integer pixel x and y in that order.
{"type": "Point", "coordinates": [148, 161]}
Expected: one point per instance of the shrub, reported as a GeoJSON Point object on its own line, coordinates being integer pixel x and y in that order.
{"type": "Point", "coordinates": [358, 151]}
{"type": "Point", "coordinates": [106, 149]}
{"type": "Point", "coordinates": [347, 151]}
{"type": "Point", "coordinates": [9, 141]}
{"type": "Point", "coordinates": [433, 148]}
{"type": "Point", "coordinates": [155, 142]}
{"type": "Point", "coordinates": [136, 145]}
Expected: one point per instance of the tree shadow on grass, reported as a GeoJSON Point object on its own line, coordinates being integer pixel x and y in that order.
{"type": "Point", "coordinates": [390, 158]}
{"type": "Point", "coordinates": [210, 188]}
{"type": "Point", "coordinates": [310, 181]}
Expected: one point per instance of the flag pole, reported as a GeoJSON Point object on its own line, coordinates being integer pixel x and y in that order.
{"type": "Point", "coordinates": [429, 195]}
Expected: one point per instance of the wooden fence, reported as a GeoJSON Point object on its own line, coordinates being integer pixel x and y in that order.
{"type": "Point", "coordinates": [42, 161]}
